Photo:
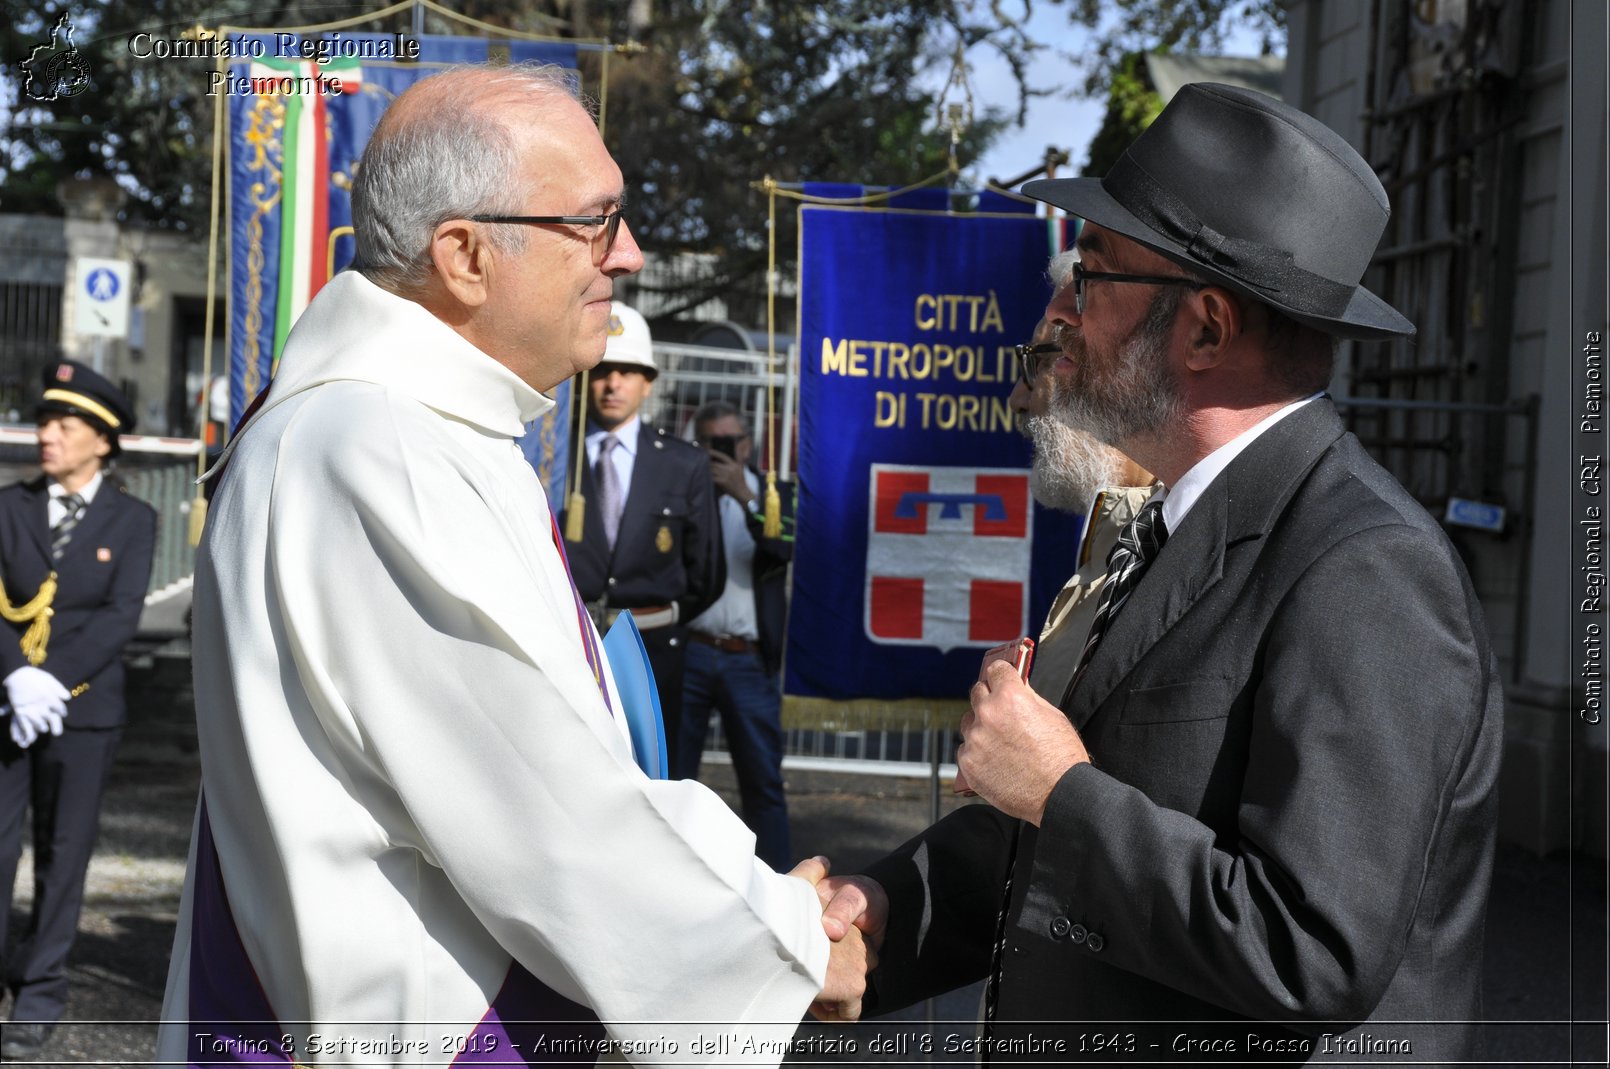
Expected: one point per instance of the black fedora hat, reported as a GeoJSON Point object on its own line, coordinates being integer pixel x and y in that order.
{"type": "Point", "coordinates": [76, 389]}
{"type": "Point", "coordinates": [1255, 195]}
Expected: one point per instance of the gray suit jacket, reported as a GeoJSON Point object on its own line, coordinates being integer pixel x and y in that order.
{"type": "Point", "coordinates": [1295, 724]}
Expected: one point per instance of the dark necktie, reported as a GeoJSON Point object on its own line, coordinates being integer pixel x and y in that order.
{"type": "Point", "coordinates": [1137, 546]}
{"type": "Point", "coordinates": [609, 488]}
{"type": "Point", "coordinates": [62, 533]}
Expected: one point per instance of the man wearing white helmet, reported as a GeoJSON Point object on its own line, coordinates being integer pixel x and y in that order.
{"type": "Point", "coordinates": [651, 540]}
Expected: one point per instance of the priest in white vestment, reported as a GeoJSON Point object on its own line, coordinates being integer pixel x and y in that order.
{"type": "Point", "coordinates": [422, 837]}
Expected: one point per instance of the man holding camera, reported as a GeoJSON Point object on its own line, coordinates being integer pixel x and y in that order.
{"type": "Point", "coordinates": [735, 647]}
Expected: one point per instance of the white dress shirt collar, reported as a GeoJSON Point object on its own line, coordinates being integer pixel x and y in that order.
{"type": "Point", "coordinates": [1179, 498]}
{"type": "Point", "coordinates": [87, 491]}
{"type": "Point", "coordinates": [627, 433]}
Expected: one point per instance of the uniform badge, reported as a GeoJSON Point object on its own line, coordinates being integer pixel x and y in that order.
{"type": "Point", "coordinates": [103, 554]}
{"type": "Point", "coordinates": [64, 373]}
{"type": "Point", "coordinates": [662, 541]}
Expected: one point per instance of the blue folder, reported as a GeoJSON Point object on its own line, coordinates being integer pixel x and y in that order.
{"type": "Point", "coordinates": [640, 698]}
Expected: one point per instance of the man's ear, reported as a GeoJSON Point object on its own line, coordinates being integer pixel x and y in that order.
{"type": "Point", "coordinates": [1216, 324]}
{"type": "Point", "coordinates": [463, 261]}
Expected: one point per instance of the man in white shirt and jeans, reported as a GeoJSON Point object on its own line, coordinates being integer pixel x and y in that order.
{"type": "Point", "coordinates": [735, 646]}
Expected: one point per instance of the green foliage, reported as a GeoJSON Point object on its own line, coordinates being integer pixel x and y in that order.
{"type": "Point", "coordinates": [728, 92]}
{"type": "Point", "coordinates": [1132, 103]}
{"type": "Point", "coordinates": [731, 92]}
{"type": "Point", "coordinates": [145, 123]}
{"type": "Point", "coordinates": [1121, 27]}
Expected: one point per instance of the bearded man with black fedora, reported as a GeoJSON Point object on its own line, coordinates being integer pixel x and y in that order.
{"type": "Point", "coordinates": [75, 560]}
{"type": "Point", "coordinates": [1261, 817]}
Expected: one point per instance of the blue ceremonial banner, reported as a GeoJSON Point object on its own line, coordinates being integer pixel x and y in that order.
{"type": "Point", "coordinates": [299, 111]}
{"type": "Point", "coordinates": [918, 545]}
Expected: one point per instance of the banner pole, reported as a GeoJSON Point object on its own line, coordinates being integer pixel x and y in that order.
{"type": "Point", "coordinates": [198, 505]}
{"type": "Point", "coordinates": [576, 503]}
{"type": "Point", "coordinates": [773, 526]}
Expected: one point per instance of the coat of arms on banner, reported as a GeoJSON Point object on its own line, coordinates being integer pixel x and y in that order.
{"type": "Point", "coordinates": [948, 555]}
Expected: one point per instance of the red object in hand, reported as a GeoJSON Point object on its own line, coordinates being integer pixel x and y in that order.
{"type": "Point", "coordinates": [1021, 656]}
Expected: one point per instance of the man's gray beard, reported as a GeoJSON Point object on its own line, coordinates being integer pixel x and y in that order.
{"type": "Point", "coordinates": [1070, 467]}
{"type": "Point", "coordinates": [1137, 395]}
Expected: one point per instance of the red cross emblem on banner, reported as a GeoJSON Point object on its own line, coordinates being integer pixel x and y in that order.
{"type": "Point", "coordinates": [948, 555]}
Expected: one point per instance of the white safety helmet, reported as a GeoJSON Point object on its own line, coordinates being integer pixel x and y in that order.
{"type": "Point", "coordinates": [629, 343]}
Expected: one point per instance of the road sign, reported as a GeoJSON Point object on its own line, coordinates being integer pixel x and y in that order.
{"type": "Point", "coordinates": [101, 297]}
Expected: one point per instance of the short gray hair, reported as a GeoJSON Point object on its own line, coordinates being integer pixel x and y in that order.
{"type": "Point", "coordinates": [448, 157]}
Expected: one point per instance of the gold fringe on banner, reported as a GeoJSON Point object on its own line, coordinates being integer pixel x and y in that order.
{"type": "Point", "coordinates": [868, 714]}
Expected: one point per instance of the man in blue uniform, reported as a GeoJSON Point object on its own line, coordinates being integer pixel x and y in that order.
{"type": "Point", "coordinates": [651, 540]}
{"type": "Point", "coordinates": [75, 560]}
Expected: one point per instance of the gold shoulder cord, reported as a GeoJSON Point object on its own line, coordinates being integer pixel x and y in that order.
{"type": "Point", "coordinates": [36, 614]}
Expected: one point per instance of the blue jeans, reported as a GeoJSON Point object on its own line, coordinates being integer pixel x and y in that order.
{"type": "Point", "coordinates": [750, 702]}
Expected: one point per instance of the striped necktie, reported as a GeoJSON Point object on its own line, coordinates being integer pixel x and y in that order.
{"type": "Point", "coordinates": [1137, 546]}
{"type": "Point", "coordinates": [62, 533]}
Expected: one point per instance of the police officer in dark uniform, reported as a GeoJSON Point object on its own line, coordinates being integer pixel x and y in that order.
{"type": "Point", "coordinates": [75, 560]}
{"type": "Point", "coordinates": [651, 538]}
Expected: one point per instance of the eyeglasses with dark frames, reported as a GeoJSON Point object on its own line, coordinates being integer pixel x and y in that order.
{"type": "Point", "coordinates": [611, 223]}
{"type": "Point", "coordinates": [1031, 358]}
{"type": "Point", "coordinates": [1081, 276]}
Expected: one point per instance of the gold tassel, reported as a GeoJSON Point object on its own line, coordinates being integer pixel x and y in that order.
{"type": "Point", "coordinates": [575, 503]}
{"type": "Point", "coordinates": [774, 508]}
{"type": "Point", "coordinates": [575, 515]}
{"type": "Point", "coordinates": [36, 614]}
{"type": "Point", "coordinates": [37, 637]}
{"type": "Point", "coordinates": [198, 519]}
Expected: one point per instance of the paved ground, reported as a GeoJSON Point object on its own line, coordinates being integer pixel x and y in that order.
{"type": "Point", "coordinates": [1547, 914]}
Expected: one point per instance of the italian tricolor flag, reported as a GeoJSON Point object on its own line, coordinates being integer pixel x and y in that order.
{"type": "Point", "coordinates": [305, 181]}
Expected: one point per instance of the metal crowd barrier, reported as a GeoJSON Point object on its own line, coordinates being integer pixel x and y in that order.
{"type": "Point", "coordinates": [893, 738]}
{"type": "Point", "coordinates": [170, 489]}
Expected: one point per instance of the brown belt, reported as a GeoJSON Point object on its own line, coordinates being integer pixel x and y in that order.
{"type": "Point", "coordinates": [729, 643]}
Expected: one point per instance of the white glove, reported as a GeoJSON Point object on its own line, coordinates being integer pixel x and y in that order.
{"type": "Point", "coordinates": [46, 717]}
{"type": "Point", "coordinates": [32, 721]}
{"type": "Point", "coordinates": [30, 686]}
{"type": "Point", "coordinates": [23, 732]}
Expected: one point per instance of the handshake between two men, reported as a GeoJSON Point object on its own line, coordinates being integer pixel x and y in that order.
{"type": "Point", "coordinates": [1015, 748]}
